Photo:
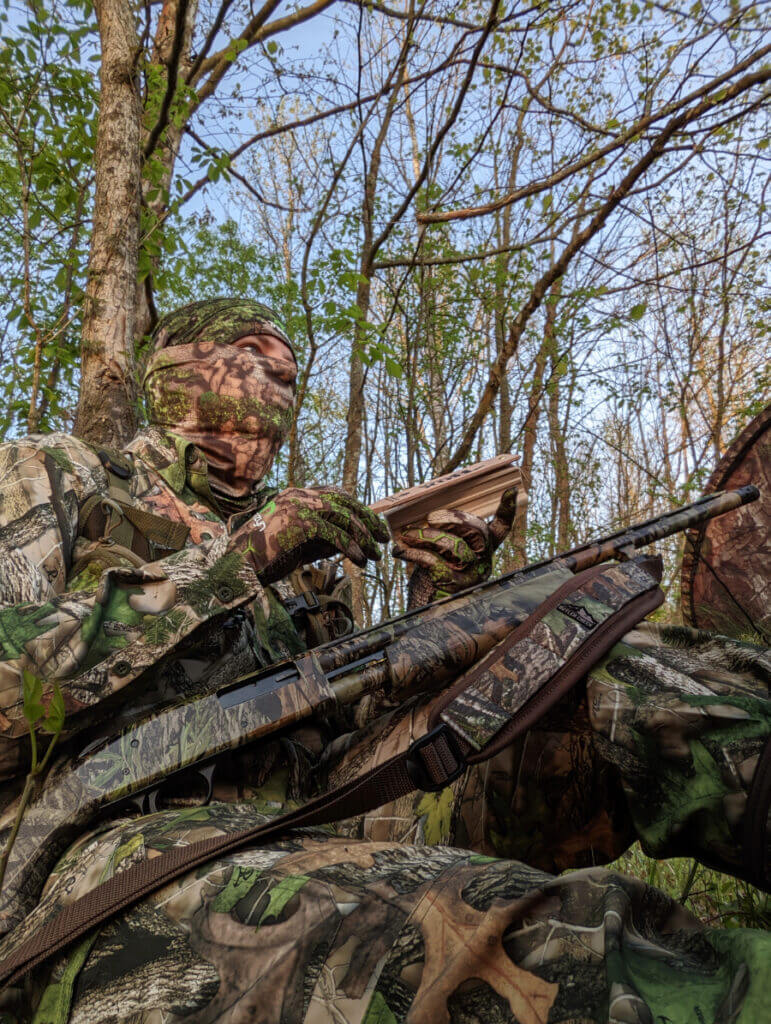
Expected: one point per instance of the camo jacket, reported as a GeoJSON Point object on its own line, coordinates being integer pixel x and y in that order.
{"type": "Point", "coordinates": [99, 632]}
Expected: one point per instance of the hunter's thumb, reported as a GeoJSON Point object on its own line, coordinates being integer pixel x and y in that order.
{"type": "Point", "coordinates": [504, 516]}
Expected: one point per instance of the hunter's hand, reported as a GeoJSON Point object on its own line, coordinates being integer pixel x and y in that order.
{"type": "Point", "coordinates": [455, 550]}
{"type": "Point", "coordinates": [303, 524]}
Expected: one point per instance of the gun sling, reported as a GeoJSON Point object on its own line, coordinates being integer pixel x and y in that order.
{"type": "Point", "coordinates": [475, 718]}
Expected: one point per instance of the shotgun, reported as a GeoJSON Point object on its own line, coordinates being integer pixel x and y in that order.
{"type": "Point", "coordinates": [420, 651]}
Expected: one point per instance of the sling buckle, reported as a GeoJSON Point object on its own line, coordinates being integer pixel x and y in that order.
{"type": "Point", "coordinates": [435, 760]}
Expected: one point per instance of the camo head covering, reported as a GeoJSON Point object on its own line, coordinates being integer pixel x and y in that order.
{"type": "Point", "coordinates": [235, 404]}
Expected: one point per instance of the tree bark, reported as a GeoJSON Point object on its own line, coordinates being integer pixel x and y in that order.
{"type": "Point", "coordinates": [107, 408]}
{"type": "Point", "coordinates": [561, 464]}
{"type": "Point", "coordinates": [502, 283]}
{"type": "Point", "coordinates": [529, 434]}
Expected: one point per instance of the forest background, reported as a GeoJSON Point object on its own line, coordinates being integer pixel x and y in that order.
{"type": "Point", "coordinates": [539, 228]}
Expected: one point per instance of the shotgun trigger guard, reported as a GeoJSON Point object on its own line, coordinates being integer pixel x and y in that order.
{"type": "Point", "coordinates": [305, 602]}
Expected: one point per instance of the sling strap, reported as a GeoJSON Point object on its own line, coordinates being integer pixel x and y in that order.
{"type": "Point", "coordinates": [476, 718]}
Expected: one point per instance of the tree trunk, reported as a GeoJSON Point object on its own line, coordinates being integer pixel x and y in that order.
{"type": "Point", "coordinates": [556, 434]}
{"type": "Point", "coordinates": [530, 429]}
{"type": "Point", "coordinates": [354, 433]}
{"type": "Point", "coordinates": [107, 408]}
{"type": "Point", "coordinates": [355, 414]}
{"type": "Point", "coordinates": [529, 433]}
{"type": "Point", "coordinates": [503, 284]}
{"type": "Point", "coordinates": [560, 462]}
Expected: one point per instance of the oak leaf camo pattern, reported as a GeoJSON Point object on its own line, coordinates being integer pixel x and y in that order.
{"type": "Point", "coordinates": [234, 404]}
{"type": "Point", "coordinates": [116, 764]}
{"type": "Point", "coordinates": [498, 690]}
{"type": "Point", "coordinates": [376, 932]}
{"type": "Point", "coordinates": [453, 550]}
{"type": "Point", "coordinates": [396, 988]}
{"type": "Point", "coordinates": [305, 524]}
{"type": "Point", "coordinates": [222, 320]}
{"type": "Point", "coordinates": [316, 928]}
{"type": "Point", "coordinates": [684, 716]}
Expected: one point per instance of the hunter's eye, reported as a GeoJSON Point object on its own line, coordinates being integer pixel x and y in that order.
{"type": "Point", "coordinates": [266, 345]}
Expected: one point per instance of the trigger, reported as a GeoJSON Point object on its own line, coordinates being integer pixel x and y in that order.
{"type": "Point", "coordinates": [207, 774]}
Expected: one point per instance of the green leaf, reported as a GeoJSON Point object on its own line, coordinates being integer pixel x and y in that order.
{"type": "Point", "coordinates": [281, 894]}
{"type": "Point", "coordinates": [32, 688]}
{"type": "Point", "coordinates": [54, 719]}
{"type": "Point", "coordinates": [393, 368]}
{"type": "Point", "coordinates": [235, 46]}
{"type": "Point", "coordinates": [638, 312]}
{"type": "Point", "coordinates": [378, 1011]}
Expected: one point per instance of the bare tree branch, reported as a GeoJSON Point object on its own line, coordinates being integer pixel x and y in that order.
{"type": "Point", "coordinates": [718, 97]}
{"type": "Point", "coordinates": [216, 67]}
{"type": "Point", "coordinates": [216, 25]}
{"type": "Point", "coordinates": [592, 157]}
{"type": "Point", "coordinates": [490, 24]}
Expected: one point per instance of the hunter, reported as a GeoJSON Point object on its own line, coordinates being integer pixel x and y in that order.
{"type": "Point", "coordinates": [132, 577]}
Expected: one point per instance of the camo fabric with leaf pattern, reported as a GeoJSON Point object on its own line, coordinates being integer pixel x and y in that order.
{"type": "Point", "coordinates": [661, 743]}
{"type": "Point", "coordinates": [318, 929]}
{"type": "Point", "coordinates": [98, 631]}
{"type": "Point", "coordinates": [234, 404]}
{"type": "Point", "coordinates": [301, 525]}
{"type": "Point", "coordinates": [455, 549]}
{"type": "Point", "coordinates": [684, 716]}
{"type": "Point", "coordinates": [221, 373]}
{"type": "Point", "coordinates": [222, 320]}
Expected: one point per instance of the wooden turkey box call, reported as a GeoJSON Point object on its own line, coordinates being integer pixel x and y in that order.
{"type": "Point", "coordinates": [476, 489]}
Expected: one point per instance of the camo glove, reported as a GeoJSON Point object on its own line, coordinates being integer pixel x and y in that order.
{"type": "Point", "coordinates": [301, 525]}
{"type": "Point", "coordinates": [454, 551]}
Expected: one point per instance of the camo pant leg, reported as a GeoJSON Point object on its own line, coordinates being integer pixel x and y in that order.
{"type": "Point", "coordinates": [319, 929]}
{"type": "Point", "coordinates": [685, 718]}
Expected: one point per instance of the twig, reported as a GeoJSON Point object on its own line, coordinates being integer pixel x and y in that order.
{"type": "Point", "coordinates": [171, 79]}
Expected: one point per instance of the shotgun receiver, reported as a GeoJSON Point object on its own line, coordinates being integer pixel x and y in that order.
{"type": "Point", "coordinates": [420, 651]}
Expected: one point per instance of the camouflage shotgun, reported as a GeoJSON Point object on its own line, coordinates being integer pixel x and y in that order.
{"type": "Point", "coordinates": [422, 650]}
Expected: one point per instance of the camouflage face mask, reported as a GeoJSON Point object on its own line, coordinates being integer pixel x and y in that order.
{"type": "Point", "coordinates": [233, 403]}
